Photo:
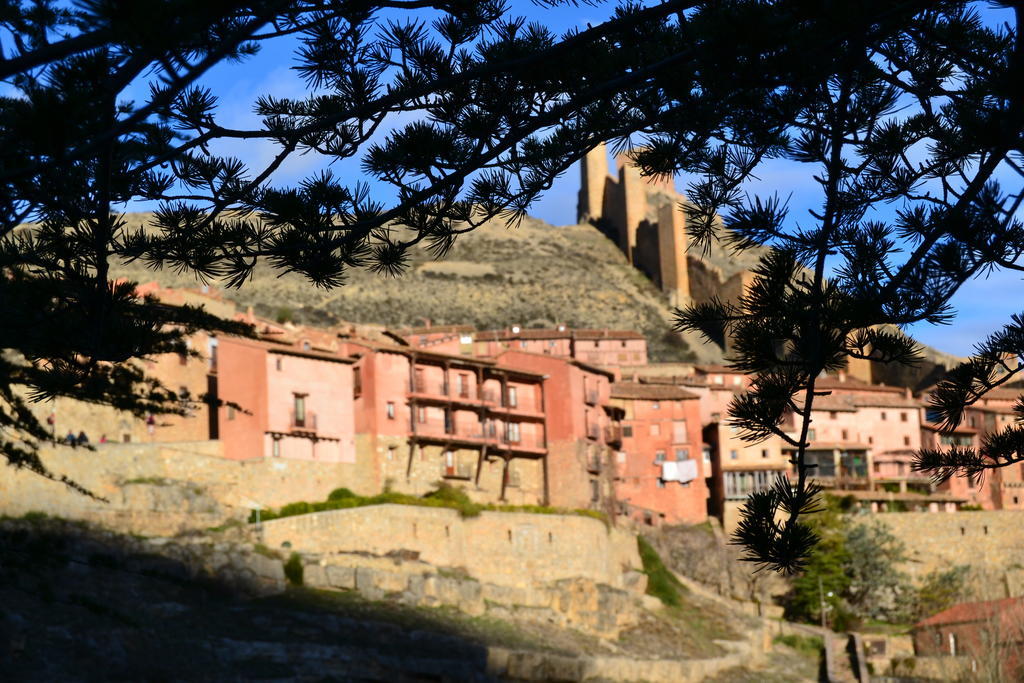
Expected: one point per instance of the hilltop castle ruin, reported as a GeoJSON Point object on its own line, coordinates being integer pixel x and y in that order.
{"type": "Point", "coordinates": [644, 217]}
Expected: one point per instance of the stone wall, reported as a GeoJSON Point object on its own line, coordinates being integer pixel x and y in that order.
{"type": "Point", "coordinates": [989, 541]}
{"type": "Point", "coordinates": [581, 604]}
{"type": "Point", "coordinates": [163, 488]}
{"type": "Point", "coordinates": [504, 548]}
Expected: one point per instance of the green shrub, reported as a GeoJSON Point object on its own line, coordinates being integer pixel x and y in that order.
{"type": "Point", "coordinates": [810, 645]}
{"type": "Point", "coordinates": [446, 496]}
{"type": "Point", "coordinates": [293, 569]}
{"type": "Point", "coordinates": [299, 508]}
{"type": "Point", "coordinates": [661, 583]}
{"type": "Point", "coordinates": [341, 494]}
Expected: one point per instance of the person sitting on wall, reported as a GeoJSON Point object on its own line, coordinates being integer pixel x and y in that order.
{"type": "Point", "coordinates": [103, 438]}
{"type": "Point", "coordinates": [83, 440]}
{"type": "Point", "coordinates": [70, 439]}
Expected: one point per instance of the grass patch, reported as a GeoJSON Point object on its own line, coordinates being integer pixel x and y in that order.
{"type": "Point", "coordinates": [152, 481]}
{"type": "Point", "coordinates": [661, 583]}
{"type": "Point", "coordinates": [806, 645]}
{"type": "Point", "coordinates": [221, 528]}
{"type": "Point", "coordinates": [445, 496]}
{"type": "Point", "coordinates": [263, 550]}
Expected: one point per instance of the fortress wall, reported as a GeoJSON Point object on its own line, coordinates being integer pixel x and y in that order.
{"type": "Point", "coordinates": [705, 280]}
{"type": "Point", "coordinates": [503, 548]}
{"type": "Point", "coordinates": [675, 277]}
{"type": "Point", "coordinates": [990, 541]}
{"type": "Point", "coordinates": [594, 172]}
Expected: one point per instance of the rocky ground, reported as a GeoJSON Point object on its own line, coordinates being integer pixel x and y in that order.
{"type": "Point", "coordinates": [77, 603]}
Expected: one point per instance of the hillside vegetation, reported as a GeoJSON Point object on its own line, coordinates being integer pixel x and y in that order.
{"type": "Point", "coordinates": [533, 275]}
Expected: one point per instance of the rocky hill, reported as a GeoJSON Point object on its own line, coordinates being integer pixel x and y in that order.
{"type": "Point", "coordinates": [534, 274]}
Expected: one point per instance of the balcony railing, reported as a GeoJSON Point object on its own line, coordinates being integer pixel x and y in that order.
{"type": "Point", "coordinates": [305, 422]}
{"type": "Point", "coordinates": [594, 431]}
{"type": "Point", "coordinates": [613, 434]}
{"type": "Point", "coordinates": [465, 392]}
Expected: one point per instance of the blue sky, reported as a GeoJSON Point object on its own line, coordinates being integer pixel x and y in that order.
{"type": "Point", "coordinates": [982, 306]}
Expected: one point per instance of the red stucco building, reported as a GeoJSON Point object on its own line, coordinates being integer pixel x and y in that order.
{"type": "Point", "coordinates": [660, 470]}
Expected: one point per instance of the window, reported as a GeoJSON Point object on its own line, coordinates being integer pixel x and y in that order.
{"type": "Point", "coordinates": [906, 441]}
{"type": "Point", "coordinates": [595, 490]}
{"type": "Point", "coordinates": [659, 456]}
{"type": "Point", "coordinates": [390, 408]}
{"type": "Point", "coordinates": [623, 344]}
{"type": "Point", "coordinates": [811, 435]}
{"type": "Point", "coordinates": [846, 435]}
{"type": "Point", "coordinates": [764, 452]}
{"type": "Point", "coordinates": [299, 401]}
{"type": "Point", "coordinates": [277, 364]}
{"type": "Point", "coordinates": [655, 405]}
{"type": "Point", "coordinates": [871, 440]}
{"type": "Point", "coordinates": [392, 452]}
{"type": "Point", "coordinates": [182, 358]}
{"type": "Point", "coordinates": [357, 382]}
{"type": "Point", "coordinates": [275, 448]}
{"type": "Point", "coordinates": [306, 346]}
{"type": "Point", "coordinates": [421, 414]}
{"type": "Point", "coordinates": [211, 347]}
{"type": "Point", "coordinates": [903, 416]}
{"type": "Point", "coordinates": [883, 414]}
{"type": "Point", "coordinates": [736, 381]}
{"type": "Point", "coordinates": [513, 432]}
{"type": "Point", "coordinates": [449, 422]}
{"type": "Point", "coordinates": [734, 455]}
{"type": "Point", "coordinates": [973, 422]}
{"type": "Point", "coordinates": [877, 467]}
{"type": "Point", "coordinates": [832, 415]}
{"type": "Point", "coordinates": [513, 399]}
{"type": "Point", "coordinates": [231, 412]}
{"type": "Point", "coordinates": [449, 463]}
{"type": "Point", "coordinates": [682, 454]}
{"type": "Point", "coordinates": [655, 429]}
{"type": "Point", "coordinates": [679, 431]}
{"type": "Point", "coordinates": [627, 431]}
{"type": "Point", "coordinates": [462, 383]}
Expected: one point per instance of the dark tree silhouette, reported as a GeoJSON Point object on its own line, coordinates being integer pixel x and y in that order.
{"type": "Point", "coordinates": [913, 104]}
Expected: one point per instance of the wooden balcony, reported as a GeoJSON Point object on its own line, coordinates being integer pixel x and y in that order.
{"type": "Point", "coordinates": [446, 393]}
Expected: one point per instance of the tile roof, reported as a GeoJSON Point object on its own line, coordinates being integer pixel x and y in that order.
{"type": "Point", "coordinates": [650, 392]}
{"type": "Point", "coordinates": [854, 384]}
{"type": "Point", "coordinates": [497, 335]}
{"type": "Point", "coordinates": [969, 612]}
{"type": "Point", "coordinates": [886, 401]}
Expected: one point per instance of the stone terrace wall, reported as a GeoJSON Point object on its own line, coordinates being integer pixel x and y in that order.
{"type": "Point", "coordinates": [504, 548]}
{"type": "Point", "coordinates": [163, 488]}
{"type": "Point", "coordinates": [991, 541]}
